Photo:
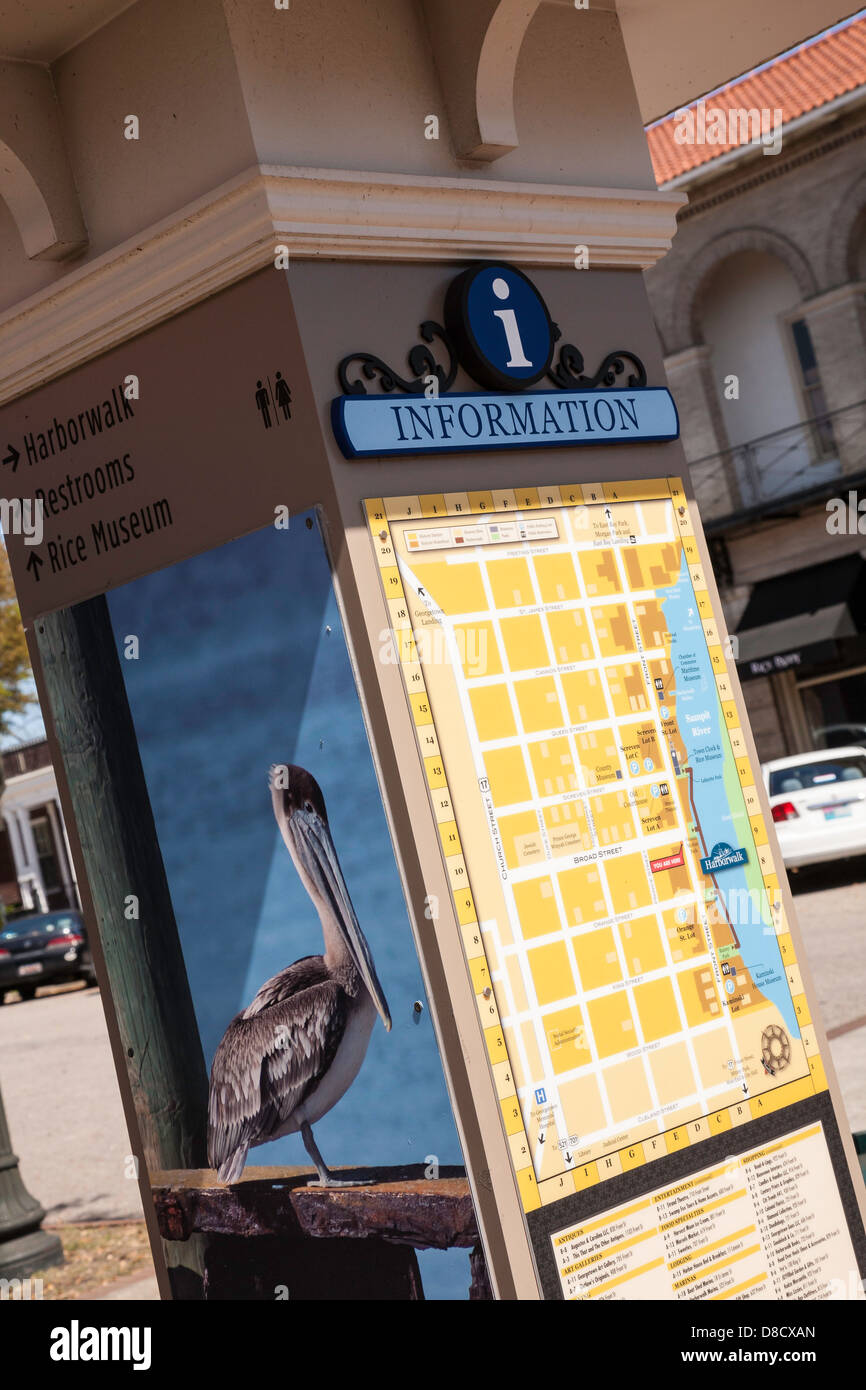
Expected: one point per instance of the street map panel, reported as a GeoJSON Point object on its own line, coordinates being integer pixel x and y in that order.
{"type": "Point", "coordinates": [609, 862]}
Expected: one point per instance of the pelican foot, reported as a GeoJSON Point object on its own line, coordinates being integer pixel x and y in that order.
{"type": "Point", "coordinates": [326, 1177]}
{"type": "Point", "coordinates": [341, 1182]}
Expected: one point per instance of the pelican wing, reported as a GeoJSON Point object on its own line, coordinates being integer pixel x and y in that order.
{"type": "Point", "coordinates": [270, 1057]}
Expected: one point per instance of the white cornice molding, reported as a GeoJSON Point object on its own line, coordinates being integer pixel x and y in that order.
{"type": "Point", "coordinates": [340, 214]}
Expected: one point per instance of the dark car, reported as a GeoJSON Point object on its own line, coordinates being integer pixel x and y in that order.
{"type": "Point", "coordinates": [46, 948]}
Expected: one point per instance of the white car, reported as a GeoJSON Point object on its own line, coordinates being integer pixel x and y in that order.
{"type": "Point", "coordinates": [818, 801]}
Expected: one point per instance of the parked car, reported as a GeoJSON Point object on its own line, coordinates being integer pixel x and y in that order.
{"type": "Point", "coordinates": [44, 948]}
{"type": "Point", "coordinates": [818, 801]}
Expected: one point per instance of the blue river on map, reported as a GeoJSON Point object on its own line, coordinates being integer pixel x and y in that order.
{"type": "Point", "coordinates": [696, 693]}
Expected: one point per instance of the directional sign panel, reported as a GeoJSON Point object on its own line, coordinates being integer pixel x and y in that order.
{"type": "Point", "coordinates": [129, 462]}
{"type": "Point", "coordinates": [617, 897]}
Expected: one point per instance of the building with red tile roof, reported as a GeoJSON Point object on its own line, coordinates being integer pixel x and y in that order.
{"type": "Point", "coordinates": [823, 71]}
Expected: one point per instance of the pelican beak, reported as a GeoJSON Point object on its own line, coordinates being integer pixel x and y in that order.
{"type": "Point", "coordinates": [308, 840]}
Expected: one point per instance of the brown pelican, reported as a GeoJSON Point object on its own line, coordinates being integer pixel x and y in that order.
{"type": "Point", "coordinates": [289, 1057]}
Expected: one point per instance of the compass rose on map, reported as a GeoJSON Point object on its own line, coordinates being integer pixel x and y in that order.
{"type": "Point", "coordinates": [775, 1049]}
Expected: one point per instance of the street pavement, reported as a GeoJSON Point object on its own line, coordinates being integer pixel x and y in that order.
{"type": "Point", "coordinates": [68, 1128]}
{"type": "Point", "coordinates": [831, 908]}
{"type": "Point", "coordinates": [63, 1107]}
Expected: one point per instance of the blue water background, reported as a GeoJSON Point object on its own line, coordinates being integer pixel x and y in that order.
{"type": "Point", "coordinates": [690, 654]}
{"type": "Point", "coordinates": [238, 670]}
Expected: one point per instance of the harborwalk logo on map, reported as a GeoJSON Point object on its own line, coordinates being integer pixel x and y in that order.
{"type": "Point", "coordinates": [497, 328]}
{"type": "Point", "coordinates": [723, 857]}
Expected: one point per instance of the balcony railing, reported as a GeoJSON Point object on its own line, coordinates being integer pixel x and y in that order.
{"type": "Point", "coordinates": [782, 464]}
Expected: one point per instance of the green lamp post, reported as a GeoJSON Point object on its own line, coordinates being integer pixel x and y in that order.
{"type": "Point", "coordinates": [24, 1246]}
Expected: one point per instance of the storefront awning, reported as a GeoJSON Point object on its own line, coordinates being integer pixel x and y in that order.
{"type": "Point", "coordinates": [796, 619]}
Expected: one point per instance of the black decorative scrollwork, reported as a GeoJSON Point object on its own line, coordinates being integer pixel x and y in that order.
{"type": "Point", "coordinates": [421, 362]}
{"type": "Point", "coordinates": [568, 372]}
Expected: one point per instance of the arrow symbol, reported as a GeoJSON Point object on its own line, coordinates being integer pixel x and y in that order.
{"type": "Point", "coordinates": [421, 593]}
{"type": "Point", "coordinates": [541, 1139]}
{"type": "Point", "coordinates": [745, 1089]}
{"type": "Point", "coordinates": [34, 564]}
{"type": "Point", "coordinates": [568, 1158]}
{"type": "Point", "coordinates": [607, 512]}
{"type": "Point", "coordinates": [12, 457]}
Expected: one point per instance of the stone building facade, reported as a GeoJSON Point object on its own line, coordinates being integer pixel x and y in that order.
{"type": "Point", "coordinates": [761, 307]}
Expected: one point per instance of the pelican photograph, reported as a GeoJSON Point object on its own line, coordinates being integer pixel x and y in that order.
{"type": "Point", "coordinates": [321, 1063]}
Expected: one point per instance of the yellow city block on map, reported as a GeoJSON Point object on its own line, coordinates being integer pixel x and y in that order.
{"type": "Point", "coordinates": [477, 648]}
{"type": "Point", "coordinates": [456, 588]}
{"type": "Point", "coordinates": [536, 907]}
{"type": "Point", "coordinates": [521, 839]}
{"type": "Point", "coordinates": [613, 629]}
{"type": "Point", "coordinates": [598, 755]}
{"type": "Point", "coordinates": [570, 636]}
{"type": "Point", "coordinates": [506, 773]}
{"type": "Point", "coordinates": [551, 972]}
{"type": "Point", "coordinates": [524, 642]}
{"type": "Point", "coordinates": [627, 881]}
{"type": "Point", "coordinates": [511, 583]}
{"type": "Point", "coordinates": [539, 705]}
{"type": "Point", "coordinates": [553, 766]}
{"type": "Point", "coordinates": [612, 816]}
{"type": "Point", "coordinates": [610, 1019]}
{"type": "Point", "coordinates": [566, 1039]}
{"type": "Point", "coordinates": [582, 894]}
{"type": "Point", "coordinates": [657, 1009]}
{"type": "Point", "coordinates": [557, 579]}
{"type": "Point", "coordinates": [584, 697]}
{"type": "Point", "coordinates": [597, 958]}
{"type": "Point", "coordinates": [491, 709]}
{"type": "Point", "coordinates": [567, 827]}
{"type": "Point", "coordinates": [600, 573]}
{"type": "Point", "coordinates": [642, 945]}
{"type": "Point", "coordinates": [627, 690]}
{"type": "Point", "coordinates": [699, 995]}
{"type": "Point", "coordinates": [652, 566]}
